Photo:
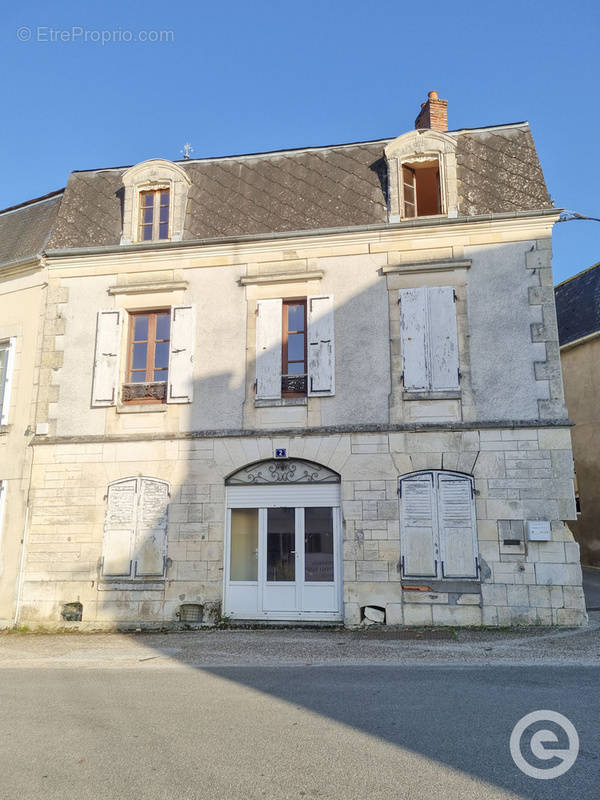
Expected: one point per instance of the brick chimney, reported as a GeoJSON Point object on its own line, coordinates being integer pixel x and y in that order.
{"type": "Point", "coordinates": [433, 114]}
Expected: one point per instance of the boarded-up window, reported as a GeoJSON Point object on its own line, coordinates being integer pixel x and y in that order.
{"type": "Point", "coordinates": [438, 527]}
{"type": "Point", "coordinates": [135, 529]}
{"type": "Point", "coordinates": [429, 338]}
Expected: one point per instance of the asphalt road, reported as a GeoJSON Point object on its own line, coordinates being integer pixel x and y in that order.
{"type": "Point", "coordinates": [364, 732]}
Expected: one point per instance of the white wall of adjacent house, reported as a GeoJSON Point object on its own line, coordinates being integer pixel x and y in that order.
{"type": "Point", "coordinates": [21, 302]}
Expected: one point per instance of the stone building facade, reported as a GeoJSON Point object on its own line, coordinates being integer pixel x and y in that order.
{"type": "Point", "coordinates": [578, 314]}
{"type": "Point", "coordinates": [316, 385]}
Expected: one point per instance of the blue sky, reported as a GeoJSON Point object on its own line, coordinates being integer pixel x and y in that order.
{"type": "Point", "coordinates": [252, 76]}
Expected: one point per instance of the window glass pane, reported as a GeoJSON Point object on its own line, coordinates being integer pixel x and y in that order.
{"type": "Point", "coordinates": [3, 361]}
{"type": "Point", "coordinates": [138, 377]}
{"type": "Point", "coordinates": [140, 331]}
{"type": "Point", "coordinates": [161, 355]}
{"type": "Point", "coordinates": [163, 230]}
{"type": "Point", "coordinates": [140, 353]}
{"type": "Point", "coordinates": [296, 318]}
{"type": "Point", "coordinates": [318, 544]}
{"type": "Point", "coordinates": [281, 551]}
{"type": "Point", "coordinates": [243, 564]}
{"type": "Point", "coordinates": [147, 218]}
{"type": "Point", "coordinates": [164, 214]}
{"type": "Point", "coordinates": [147, 233]}
{"type": "Point", "coordinates": [296, 368]}
{"type": "Point", "coordinates": [160, 374]}
{"type": "Point", "coordinates": [163, 323]}
{"type": "Point", "coordinates": [147, 199]}
{"type": "Point", "coordinates": [164, 198]}
{"type": "Point", "coordinates": [296, 347]}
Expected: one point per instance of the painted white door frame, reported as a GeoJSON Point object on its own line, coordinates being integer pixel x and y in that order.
{"type": "Point", "coordinates": [317, 601]}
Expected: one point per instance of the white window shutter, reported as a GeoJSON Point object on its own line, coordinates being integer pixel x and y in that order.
{"type": "Point", "coordinates": [181, 355]}
{"type": "Point", "coordinates": [418, 527]}
{"type": "Point", "coordinates": [106, 363]}
{"type": "Point", "coordinates": [413, 330]}
{"type": "Point", "coordinates": [119, 529]}
{"type": "Point", "coordinates": [443, 340]}
{"type": "Point", "coordinates": [151, 534]}
{"type": "Point", "coordinates": [458, 534]}
{"type": "Point", "coordinates": [321, 350]}
{"type": "Point", "coordinates": [269, 321]}
{"type": "Point", "coordinates": [8, 374]}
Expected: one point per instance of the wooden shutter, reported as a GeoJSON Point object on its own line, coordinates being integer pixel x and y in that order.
{"type": "Point", "coordinates": [106, 362]}
{"type": "Point", "coordinates": [418, 527]}
{"type": "Point", "coordinates": [443, 341]}
{"type": "Point", "coordinates": [321, 352]}
{"type": "Point", "coordinates": [409, 190]}
{"type": "Point", "coordinates": [458, 535]}
{"type": "Point", "coordinates": [269, 321]}
{"type": "Point", "coordinates": [8, 373]}
{"type": "Point", "coordinates": [119, 529]}
{"type": "Point", "coordinates": [413, 331]}
{"type": "Point", "coordinates": [151, 532]}
{"type": "Point", "coordinates": [181, 355]}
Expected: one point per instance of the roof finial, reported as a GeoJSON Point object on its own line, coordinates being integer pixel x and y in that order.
{"type": "Point", "coordinates": [187, 149]}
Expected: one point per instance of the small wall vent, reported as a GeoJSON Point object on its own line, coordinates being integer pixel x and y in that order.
{"type": "Point", "coordinates": [191, 613]}
{"type": "Point", "coordinates": [72, 612]}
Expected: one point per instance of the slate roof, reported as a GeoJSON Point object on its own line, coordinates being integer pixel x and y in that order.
{"type": "Point", "coordinates": [578, 305]}
{"type": "Point", "coordinates": [295, 190]}
{"type": "Point", "coordinates": [25, 229]}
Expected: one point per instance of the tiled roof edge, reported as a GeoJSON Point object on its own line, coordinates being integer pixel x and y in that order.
{"type": "Point", "coordinates": [43, 199]}
{"type": "Point", "coordinates": [577, 275]}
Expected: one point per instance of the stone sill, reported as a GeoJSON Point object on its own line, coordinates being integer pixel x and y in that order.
{"type": "Point", "coordinates": [142, 408]}
{"type": "Point", "coordinates": [4, 429]}
{"type": "Point", "coordinates": [465, 586]}
{"type": "Point", "coordinates": [138, 585]}
{"type": "Point", "coordinates": [449, 395]}
{"type": "Point", "coordinates": [285, 401]}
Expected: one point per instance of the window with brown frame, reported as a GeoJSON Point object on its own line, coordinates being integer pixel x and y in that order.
{"type": "Point", "coordinates": [148, 357]}
{"type": "Point", "coordinates": [421, 189]}
{"type": "Point", "coordinates": [154, 215]}
{"type": "Point", "coordinates": [293, 369]}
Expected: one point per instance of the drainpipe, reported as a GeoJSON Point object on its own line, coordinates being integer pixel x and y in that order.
{"type": "Point", "coordinates": [21, 566]}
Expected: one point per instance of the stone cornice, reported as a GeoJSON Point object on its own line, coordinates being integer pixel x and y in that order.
{"type": "Point", "coordinates": [427, 266]}
{"type": "Point", "coordinates": [22, 267]}
{"type": "Point", "coordinates": [242, 249]}
{"type": "Point", "coordinates": [286, 277]}
{"type": "Point", "coordinates": [329, 430]}
{"type": "Point", "coordinates": [148, 288]}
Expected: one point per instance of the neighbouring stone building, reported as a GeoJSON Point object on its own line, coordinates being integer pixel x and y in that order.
{"type": "Point", "coordinates": [578, 311]}
{"type": "Point", "coordinates": [315, 384]}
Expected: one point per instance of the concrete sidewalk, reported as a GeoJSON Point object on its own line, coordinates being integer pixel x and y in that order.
{"type": "Point", "coordinates": [536, 646]}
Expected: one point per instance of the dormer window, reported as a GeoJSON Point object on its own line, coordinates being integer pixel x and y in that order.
{"type": "Point", "coordinates": [421, 189]}
{"type": "Point", "coordinates": [422, 175]}
{"type": "Point", "coordinates": [154, 215]}
{"type": "Point", "coordinates": [155, 202]}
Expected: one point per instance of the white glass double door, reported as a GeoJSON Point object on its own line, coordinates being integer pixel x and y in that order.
{"type": "Point", "coordinates": [283, 561]}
